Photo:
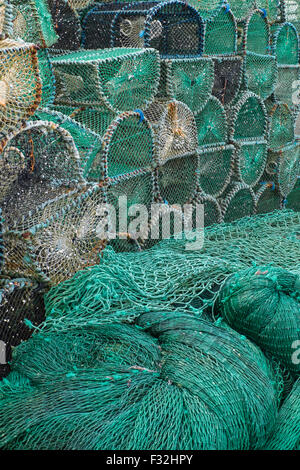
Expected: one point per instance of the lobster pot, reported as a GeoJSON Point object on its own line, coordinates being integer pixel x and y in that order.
{"type": "Point", "coordinates": [21, 302]}
{"type": "Point", "coordinates": [125, 196]}
{"type": "Point", "coordinates": [215, 166]}
{"type": "Point", "coordinates": [293, 198]}
{"type": "Point", "coordinates": [119, 79]}
{"type": "Point", "coordinates": [254, 33]}
{"type": "Point", "coordinates": [174, 128]}
{"type": "Point", "coordinates": [39, 161]}
{"type": "Point", "coordinates": [6, 16]}
{"type": "Point", "coordinates": [212, 209]}
{"type": "Point", "coordinates": [287, 89]}
{"type": "Point", "coordinates": [211, 124]}
{"type": "Point", "coordinates": [251, 160]}
{"type": "Point", "coordinates": [271, 8]}
{"type": "Point", "coordinates": [260, 74]}
{"type": "Point", "coordinates": [238, 201]}
{"type": "Point", "coordinates": [32, 22]}
{"type": "Point", "coordinates": [281, 124]}
{"type": "Point", "coordinates": [242, 9]}
{"type": "Point", "coordinates": [228, 78]}
{"type": "Point", "coordinates": [285, 44]}
{"type": "Point", "coordinates": [56, 239]}
{"type": "Point", "coordinates": [177, 180]}
{"type": "Point", "coordinates": [221, 33]}
{"type": "Point", "coordinates": [47, 78]}
{"type": "Point", "coordinates": [248, 119]}
{"type": "Point", "coordinates": [187, 80]}
{"type": "Point", "coordinates": [88, 143]}
{"type": "Point", "coordinates": [268, 198]}
{"type": "Point", "coordinates": [283, 167]}
{"type": "Point", "coordinates": [20, 84]}
{"type": "Point", "coordinates": [66, 24]}
{"type": "Point", "coordinates": [174, 28]}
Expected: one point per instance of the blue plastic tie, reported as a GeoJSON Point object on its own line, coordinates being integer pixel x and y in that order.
{"type": "Point", "coordinates": [264, 11]}
{"type": "Point", "coordinates": [140, 112]}
{"type": "Point", "coordinates": [227, 7]}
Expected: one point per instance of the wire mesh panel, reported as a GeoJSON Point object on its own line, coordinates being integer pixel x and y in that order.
{"type": "Point", "coordinates": [39, 161]}
{"type": "Point", "coordinates": [32, 22]}
{"type": "Point", "coordinates": [5, 19]}
{"type": "Point", "coordinates": [287, 88]}
{"type": "Point", "coordinates": [281, 124]}
{"type": "Point", "coordinates": [238, 201]}
{"type": "Point", "coordinates": [174, 127]}
{"type": "Point", "coordinates": [174, 28]}
{"type": "Point", "coordinates": [66, 24]}
{"type": "Point", "coordinates": [221, 33]}
{"type": "Point", "coordinates": [248, 119]}
{"type": "Point", "coordinates": [20, 84]}
{"type": "Point", "coordinates": [187, 80]}
{"type": "Point", "coordinates": [285, 44]}
{"type": "Point", "coordinates": [260, 74]}
{"type": "Point", "coordinates": [211, 124]}
{"type": "Point", "coordinates": [268, 198]}
{"type": "Point", "coordinates": [251, 160]}
{"type": "Point", "coordinates": [271, 8]}
{"type": "Point", "coordinates": [215, 167]}
{"type": "Point", "coordinates": [228, 78]}
{"type": "Point", "coordinates": [177, 179]}
{"type": "Point", "coordinates": [283, 167]}
{"type": "Point", "coordinates": [57, 238]}
{"type": "Point", "coordinates": [241, 9]}
{"type": "Point", "coordinates": [120, 79]}
{"type": "Point", "coordinates": [254, 33]}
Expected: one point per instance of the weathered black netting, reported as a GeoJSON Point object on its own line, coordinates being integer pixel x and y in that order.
{"type": "Point", "coordinates": [66, 25]}
{"type": "Point", "coordinates": [228, 77]}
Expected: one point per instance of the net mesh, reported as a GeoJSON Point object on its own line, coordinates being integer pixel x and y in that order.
{"type": "Point", "coordinates": [248, 119]}
{"type": "Point", "coordinates": [221, 34]}
{"type": "Point", "coordinates": [121, 79]}
{"type": "Point", "coordinates": [254, 34]}
{"type": "Point", "coordinates": [283, 167]}
{"type": "Point", "coordinates": [260, 74]}
{"type": "Point", "coordinates": [5, 19]}
{"type": "Point", "coordinates": [47, 78]}
{"type": "Point", "coordinates": [291, 13]}
{"type": "Point", "coordinates": [285, 44]}
{"type": "Point", "coordinates": [241, 9]}
{"type": "Point", "coordinates": [293, 198]}
{"type": "Point", "coordinates": [281, 124]}
{"type": "Point", "coordinates": [207, 8]}
{"type": "Point", "coordinates": [187, 80]}
{"type": "Point", "coordinates": [268, 198]}
{"type": "Point", "coordinates": [238, 201]}
{"type": "Point", "coordinates": [66, 25]}
{"type": "Point", "coordinates": [228, 78]}
{"type": "Point", "coordinates": [272, 8]}
{"type": "Point", "coordinates": [287, 88]}
{"type": "Point", "coordinates": [211, 124]}
{"type": "Point", "coordinates": [215, 167]}
{"type": "Point", "coordinates": [20, 84]}
{"type": "Point", "coordinates": [251, 161]}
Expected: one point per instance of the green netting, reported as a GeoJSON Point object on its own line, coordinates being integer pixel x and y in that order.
{"type": "Point", "coordinates": [120, 79]}
{"type": "Point", "coordinates": [263, 304]}
{"type": "Point", "coordinates": [177, 181]}
{"type": "Point", "coordinates": [87, 142]}
{"type": "Point", "coordinates": [228, 78]}
{"type": "Point", "coordinates": [268, 198]}
{"type": "Point", "coordinates": [247, 119]}
{"type": "Point", "coordinates": [56, 238]}
{"type": "Point", "coordinates": [251, 161]}
{"type": "Point", "coordinates": [293, 198]}
{"type": "Point", "coordinates": [207, 8]}
{"type": "Point", "coordinates": [281, 125]}
{"type": "Point", "coordinates": [287, 88]}
{"type": "Point", "coordinates": [20, 84]}
{"type": "Point", "coordinates": [283, 167]}
{"type": "Point", "coordinates": [47, 78]}
{"type": "Point", "coordinates": [5, 19]}
{"type": "Point", "coordinates": [297, 124]}
{"type": "Point", "coordinates": [260, 74]}
{"type": "Point", "coordinates": [172, 381]}
{"type": "Point", "coordinates": [271, 8]}
{"type": "Point", "coordinates": [221, 33]}
{"type": "Point", "coordinates": [212, 209]}
{"type": "Point", "coordinates": [291, 13]}
{"type": "Point", "coordinates": [211, 124]}
{"type": "Point", "coordinates": [238, 201]}
{"type": "Point", "coordinates": [241, 8]}
{"type": "Point", "coordinates": [215, 166]}
{"type": "Point", "coordinates": [32, 22]}
{"type": "Point", "coordinates": [285, 44]}
{"type": "Point", "coordinates": [187, 80]}
{"type": "Point", "coordinates": [254, 34]}
{"type": "Point", "coordinates": [174, 127]}
{"type": "Point", "coordinates": [286, 433]}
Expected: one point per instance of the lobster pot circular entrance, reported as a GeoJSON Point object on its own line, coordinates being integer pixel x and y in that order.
{"type": "Point", "coordinates": [66, 25]}
{"type": "Point", "coordinates": [248, 119]}
{"type": "Point", "coordinates": [283, 167]}
{"type": "Point", "coordinates": [174, 128]}
{"type": "Point", "coordinates": [32, 22]}
{"type": "Point", "coordinates": [238, 201]}
{"type": "Point", "coordinates": [286, 89]}
{"type": "Point", "coordinates": [211, 124]}
{"type": "Point", "coordinates": [251, 160]}
{"type": "Point", "coordinates": [268, 198]}
{"type": "Point", "coordinates": [254, 34]}
{"type": "Point", "coordinates": [285, 44]}
{"type": "Point", "coordinates": [215, 167]}
{"type": "Point", "coordinates": [20, 83]}
{"type": "Point", "coordinates": [39, 161]}
{"type": "Point", "coordinates": [58, 238]}
{"type": "Point", "coordinates": [242, 9]}
{"type": "Point", "coordinates": [177, 180]}
{"type": "Point", "coordinates": [228, 78]}
{"type": "Point", "coordinates": [119, 79]}
{"type": "Point", "coordinates": [281, 124]}
{"type": "Point", "coordinates": [271, 8]}
{"type": "Point", "coordinates": [221, 33]}
{"type": "Point", "coordinates": [21, 305]}
{"type": "Point", "coordinates": [260, 74]}
{"type": "Point", "coordinates": [187, 80]}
